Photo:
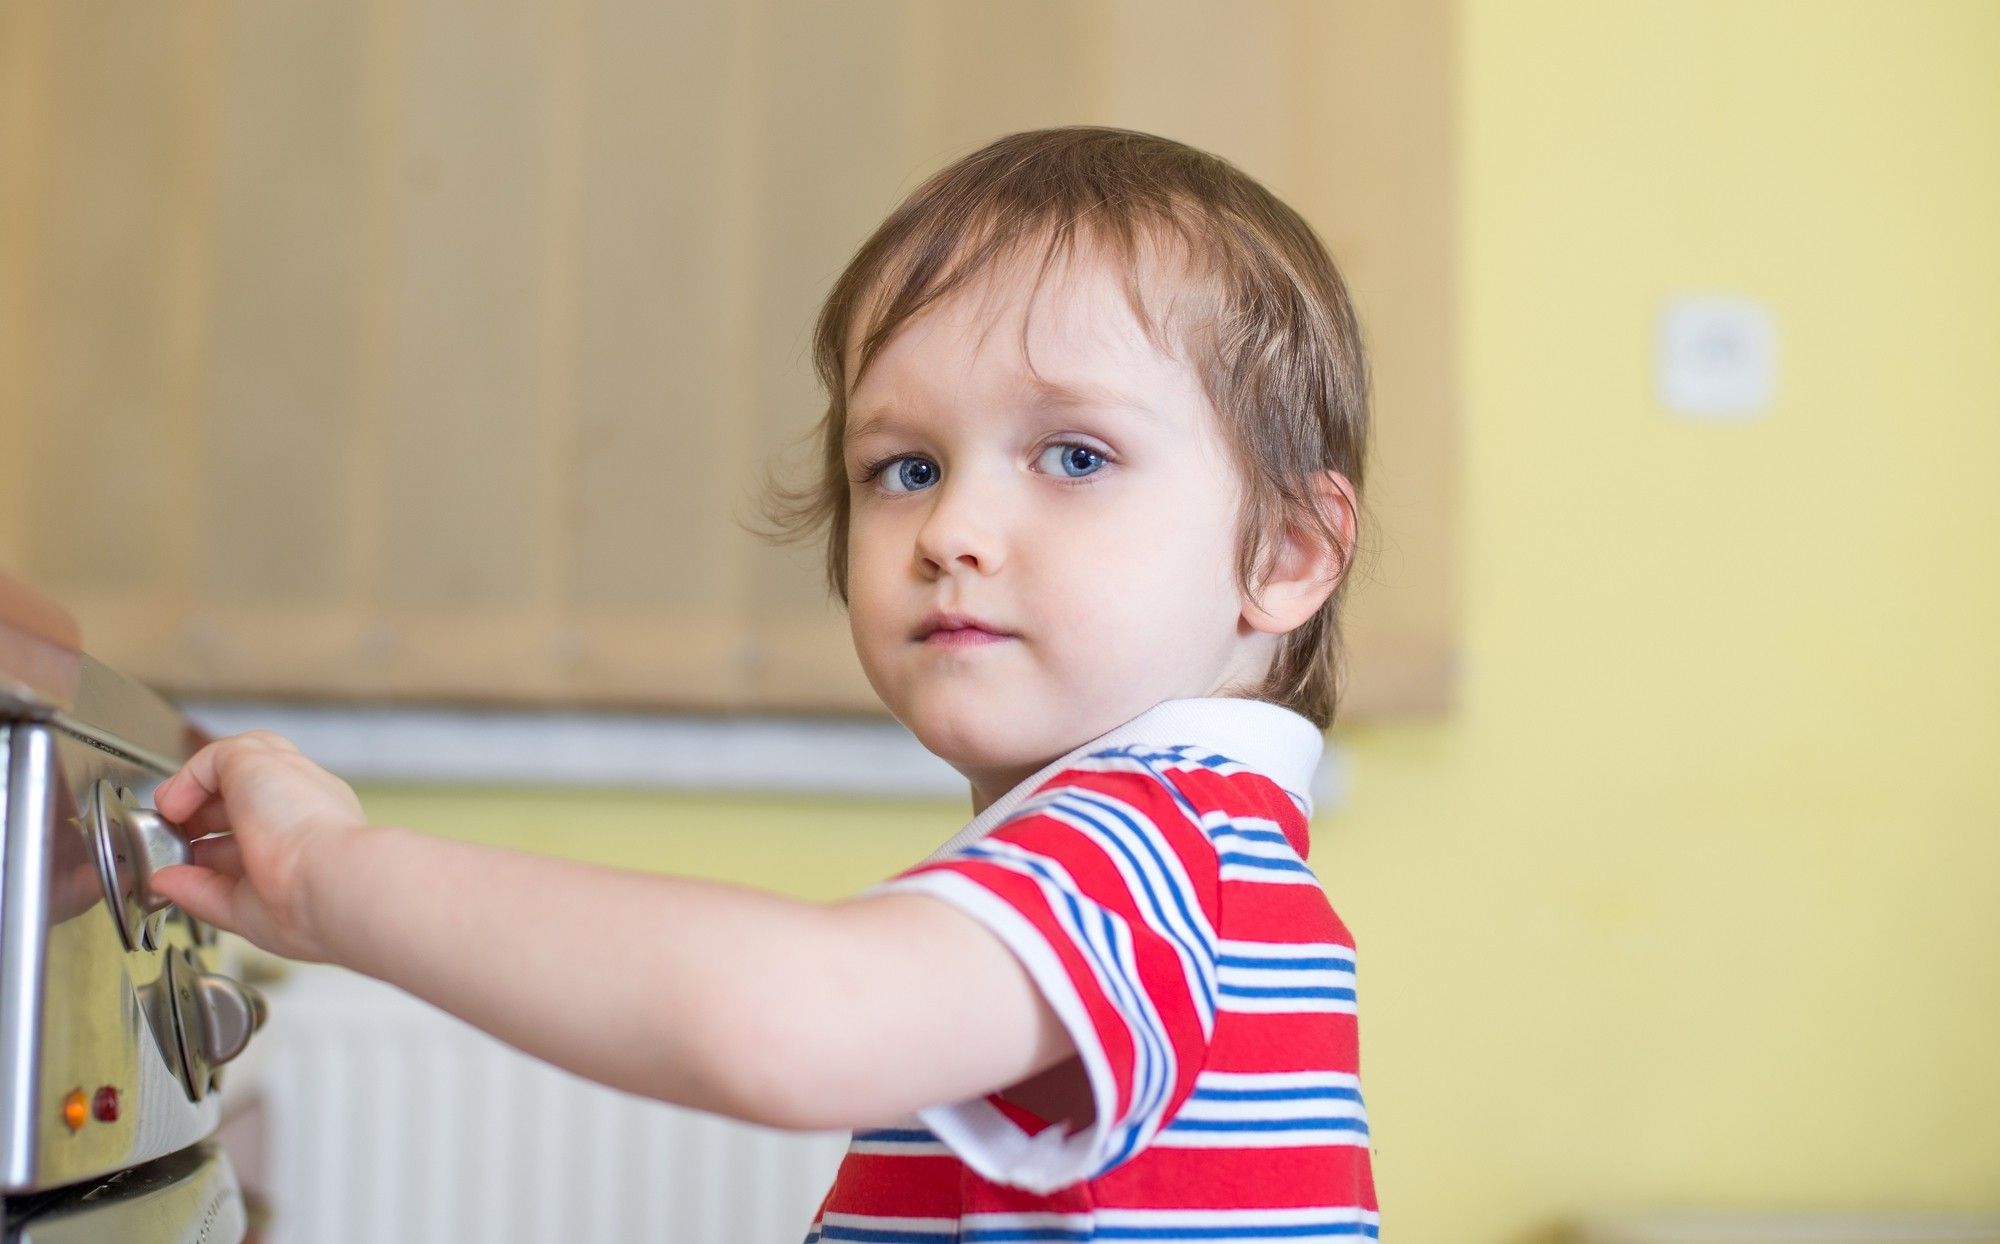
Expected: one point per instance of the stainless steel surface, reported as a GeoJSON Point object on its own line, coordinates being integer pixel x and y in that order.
{"type": "Point", "coordinates": [114, 1015]}
{"type": "Point", "coordinates": [113, 711]}
{"type": "Point", "coordinates": [80, 1009]}
{"type": "Point", "coordinates": [114, 1011]}
{"type": "Point", "coordinates": [24, 936]}
{"type": "Point", "coordinates": [191, 1197]}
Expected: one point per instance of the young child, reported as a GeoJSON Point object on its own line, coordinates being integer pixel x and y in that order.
{"type": "Point", "coordinates": [1090, 471]}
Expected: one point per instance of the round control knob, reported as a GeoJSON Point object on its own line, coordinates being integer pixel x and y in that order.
{"type": "Point", "coordinates": [132, 841]}
{"type": "Point", "coordinates": [231, 1012]}
{"type": "Point", "coordinates": [214, 1018]}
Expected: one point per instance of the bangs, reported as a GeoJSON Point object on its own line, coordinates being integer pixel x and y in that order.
{"type": "Point", "coordinates": [1156, 254]}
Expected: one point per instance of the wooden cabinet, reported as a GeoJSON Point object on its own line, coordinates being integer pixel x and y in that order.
{"type": "Point", "coordinates": [437, 351]}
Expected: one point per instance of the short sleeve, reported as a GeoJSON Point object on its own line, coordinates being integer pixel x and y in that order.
{"type": "Point", "coordinates": [1103, 884]}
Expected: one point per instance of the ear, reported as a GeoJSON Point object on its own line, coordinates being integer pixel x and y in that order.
{"type": "Point", "coordinates": [1304, 570]}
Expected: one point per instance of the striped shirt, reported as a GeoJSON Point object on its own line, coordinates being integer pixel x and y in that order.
{"type": "Point", "coordinates": [1154, 884]}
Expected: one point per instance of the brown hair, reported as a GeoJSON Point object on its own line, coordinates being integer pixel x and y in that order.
{"type": "Point", "coordinates": [1267, 327]}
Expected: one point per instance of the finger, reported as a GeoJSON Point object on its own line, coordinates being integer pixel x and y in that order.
{"type": "Point", "coordinates": [203, 893]}
{"type": "Point", "coordinates": [271, 738]}
{"type": "Point", "coordinates": [201, 778]}
{"type": "Point", "coordinates": [223, 853]}
{"type": "Point", "coordinates": [211, 817]}
{"type": "Point", "coordinates": [193, 784]}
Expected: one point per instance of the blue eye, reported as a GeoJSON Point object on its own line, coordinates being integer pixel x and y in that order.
{"type": "Point", "coordinates": [1076, 460]}
{"type": "Point", "coordinates": [912, 472]}
{"type": "Point", "coordinates": [907, 473]}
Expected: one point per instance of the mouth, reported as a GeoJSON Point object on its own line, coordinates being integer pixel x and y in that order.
{"type": "Point", "coordinates": [952, 630]}
{"type": "Point", "coordinates": [963, 637]}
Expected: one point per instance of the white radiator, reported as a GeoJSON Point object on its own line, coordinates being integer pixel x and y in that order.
{"type": "Point", "coordinates": [384, 1119]}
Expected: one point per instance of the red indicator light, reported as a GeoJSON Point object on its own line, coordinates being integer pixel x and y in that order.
{"type": "Point", "coordinates": [104, 1106]}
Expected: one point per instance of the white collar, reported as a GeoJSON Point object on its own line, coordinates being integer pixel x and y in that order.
{"type": "Point", "coordinates": [1270, 738]}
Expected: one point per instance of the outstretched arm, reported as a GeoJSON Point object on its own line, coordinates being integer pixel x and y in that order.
{"type": "Point", "coordinates": [710, 995]}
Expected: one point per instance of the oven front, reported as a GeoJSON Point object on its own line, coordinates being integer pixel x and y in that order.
{"type": "Point", "coordinates": [115, 1015]}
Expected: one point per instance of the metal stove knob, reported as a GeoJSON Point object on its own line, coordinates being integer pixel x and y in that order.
{"type": "Point", "coordinates": [132, 843]}
{"type": "Point", "coordinates": [160, 845]}
{"type": "Point", "coordinates": [231, 1011]}
{"type": "Point", "coordinates": [214, 1017]}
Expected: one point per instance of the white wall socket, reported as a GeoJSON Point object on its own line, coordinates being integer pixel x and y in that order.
{"type": "Point", "coordinates": [1717, 356]}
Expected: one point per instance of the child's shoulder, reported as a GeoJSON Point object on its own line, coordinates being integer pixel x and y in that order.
{"type": "Point", "coordinates": [1195, 780]}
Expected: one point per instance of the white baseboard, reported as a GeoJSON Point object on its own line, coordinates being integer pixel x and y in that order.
{"type": "Point", "coordinates": [398, 744]}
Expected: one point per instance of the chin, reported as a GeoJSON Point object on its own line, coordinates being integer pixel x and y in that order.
{"type": "Point", "coordinates": [966, 734]}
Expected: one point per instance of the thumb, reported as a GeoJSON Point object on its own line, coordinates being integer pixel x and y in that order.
{"type": "Point", "coordinates": [203, 893]}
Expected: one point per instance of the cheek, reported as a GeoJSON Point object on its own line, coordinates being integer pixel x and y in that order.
{"type": "Point", "coordinates": [1182, 571]}
{"type": "Point", "coordinates": [1106, 600]}
{"type": "Point", "coordinates": [864, 547]}
{"type": "Point", "coordinates": [876, 593]}
{"type": "Point", "coordinates": [868, 606]}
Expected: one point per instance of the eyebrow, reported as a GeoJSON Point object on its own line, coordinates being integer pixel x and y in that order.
{"type": "Point", "coordinates": [1040, 393]}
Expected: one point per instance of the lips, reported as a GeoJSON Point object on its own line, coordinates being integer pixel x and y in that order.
{"type": "Point", "coordinates": [943, 620]}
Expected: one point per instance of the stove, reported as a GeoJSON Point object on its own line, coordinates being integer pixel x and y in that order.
{"type": "Point", "coordinates": [117, 1010]}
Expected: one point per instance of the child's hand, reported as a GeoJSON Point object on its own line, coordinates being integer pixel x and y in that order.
{"type": "Point", "coordinates": [277, 808]}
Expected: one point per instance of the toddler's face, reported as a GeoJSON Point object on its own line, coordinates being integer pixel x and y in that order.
{"type": "Point", "coordinates": [1096, 533]}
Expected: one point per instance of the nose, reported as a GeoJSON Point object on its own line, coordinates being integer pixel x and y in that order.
{"type": "Point", "coordinates": [961, 531]}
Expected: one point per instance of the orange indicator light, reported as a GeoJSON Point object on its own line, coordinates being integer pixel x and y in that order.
{"type": "Point", "coordinates": [76, 1110]}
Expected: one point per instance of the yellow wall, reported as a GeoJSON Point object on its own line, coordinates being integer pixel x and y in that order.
{"type": "Point", "coordinates": [1696, 898]}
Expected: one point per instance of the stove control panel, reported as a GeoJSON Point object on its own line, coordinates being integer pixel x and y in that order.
{"type": "Point", "coordinates": [201, 1019]}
